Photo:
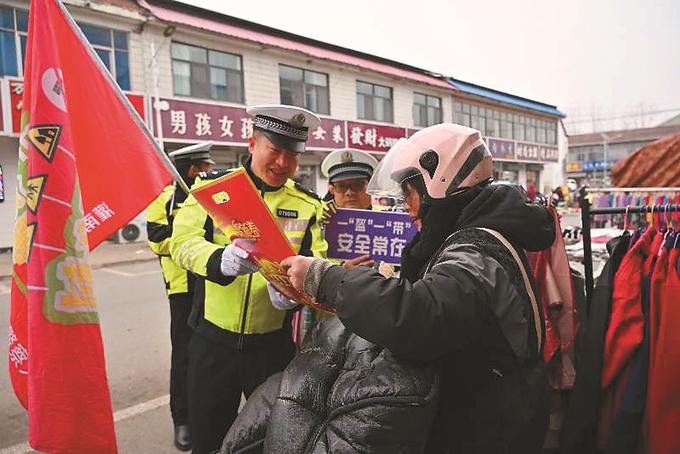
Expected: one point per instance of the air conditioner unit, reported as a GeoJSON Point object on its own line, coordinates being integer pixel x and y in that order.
{"type": "Point", "coordinates": [134, 232]}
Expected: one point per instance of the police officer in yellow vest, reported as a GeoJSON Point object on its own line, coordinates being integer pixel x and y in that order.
{"type": "Point", "coordinates": [242, 331]}
{"type": "Point", "coordinates": [179, 283]}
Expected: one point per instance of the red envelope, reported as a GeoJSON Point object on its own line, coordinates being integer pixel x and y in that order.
{"type": "Point", "coordinates": [233, 202]}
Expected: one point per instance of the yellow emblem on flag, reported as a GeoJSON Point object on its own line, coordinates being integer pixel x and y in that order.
{"type": "Point", "coordinates": [45, 139]}
{"type": "Point", "coordinates": [34, 191]}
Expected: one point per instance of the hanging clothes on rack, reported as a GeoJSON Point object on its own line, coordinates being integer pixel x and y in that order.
{"type": "Point", "coordinates": [579, 427]}
{"type": "Point", "coordinates": [626, 323]}
{"type": "Point", "coordinates": [663, 395]}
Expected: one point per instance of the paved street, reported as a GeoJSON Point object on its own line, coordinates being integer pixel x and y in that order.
{"type": "Point", "coordinates": [135, 325]}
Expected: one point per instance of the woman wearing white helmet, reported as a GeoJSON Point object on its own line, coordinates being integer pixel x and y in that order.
{"type": "Point", "coordinates": [463, 297]}
{"type": "Point", "coordinates": [464, 300]}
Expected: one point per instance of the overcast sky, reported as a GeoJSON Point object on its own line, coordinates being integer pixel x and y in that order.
{"type": "Point", "coordinates": [594, 59]}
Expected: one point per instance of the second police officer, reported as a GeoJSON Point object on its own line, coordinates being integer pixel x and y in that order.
{"type": "Point", "coordinates": [179, 283]}
{"type": "Point", "coordinates": [242, 330]}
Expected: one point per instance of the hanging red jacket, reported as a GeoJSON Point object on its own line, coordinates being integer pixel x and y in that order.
{"type": "Point", "coordinates": [626, 322]}
{"type": "Point", "coordinates": [555, 289]}
{"type": "Point", "coordinates": [663, 392]}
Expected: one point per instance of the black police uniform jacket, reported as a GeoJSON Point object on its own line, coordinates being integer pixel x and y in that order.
{"type": "Point", "coordinates": [464, 309]}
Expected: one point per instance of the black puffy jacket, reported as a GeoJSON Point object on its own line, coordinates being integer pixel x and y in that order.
{"type": "Point", "coordinates": [340, 394]}
{"type": "Point", "coordinates": [466, 313]}
{"type": "Point", "coordinates": [468, 309]}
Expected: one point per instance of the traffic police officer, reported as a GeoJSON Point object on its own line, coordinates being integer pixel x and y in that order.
{"type": "Point", "coordinates": [348, 171]}
{"type": "Point", "coordinates": [190, 161]}
{"type": "Point", "coordinates": [242, 331]}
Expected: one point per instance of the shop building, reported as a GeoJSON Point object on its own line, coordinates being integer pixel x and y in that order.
{"type": "Point", "coordinates": [591, 156]}
{"type": "Point", "coordinates": [191, 73]}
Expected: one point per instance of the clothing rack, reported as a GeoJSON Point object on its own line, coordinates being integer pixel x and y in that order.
{"type": "Point", "coordinates": [587, 213]}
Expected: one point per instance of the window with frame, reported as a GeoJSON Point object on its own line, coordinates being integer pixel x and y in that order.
{"type": "Point", "coordinates": [205, 73]}
{"type": "Point", "coordinates": [304, 88]}
{"type": "Point", "coordinates": [112, 48]}
{"type": "Point", "coordinates": [531, 130]}
{"type": "Point", "coordinates": [13, 36]}
{"type": "Point", "coordinates": [374, 102]}
{"type": "Point", "coordinates": [506, 125]}
{"type": "Point", "coordinates": [427, 110]}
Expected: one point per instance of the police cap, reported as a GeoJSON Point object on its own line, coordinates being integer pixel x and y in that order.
{"type": "Point", "coordinates": [284, 126]}
{"type": "Point", "coordinates": [348, 163]}
{"type": "Point", "coordinates": [195, 153]}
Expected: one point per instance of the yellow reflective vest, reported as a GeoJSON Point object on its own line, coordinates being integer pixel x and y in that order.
{"type": "Point", "coordinates": [159, 217]}
{"type": "Point", "coordinates": [234, 307]}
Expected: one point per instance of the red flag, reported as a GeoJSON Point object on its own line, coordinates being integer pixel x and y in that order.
{"type": "Point", "coordinates": [87, 165]}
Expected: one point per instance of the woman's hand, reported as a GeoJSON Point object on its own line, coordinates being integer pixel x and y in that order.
{"type": "Point", "coordinates": [296, 267]}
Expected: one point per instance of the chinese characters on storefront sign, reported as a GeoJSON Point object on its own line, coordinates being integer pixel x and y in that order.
{"type": "Point", "coordinates": [331, 134]}
{"type": "Point", "coordinates": [533, 152]}
{"type": "Point", "coordinates": [382, 235]}
{"type": "Point", "coordinates": [501, 149]}
{"type": "Point", "coordinates": [372, 137]}
{"type": "Point", "coordinates": [189, 120]}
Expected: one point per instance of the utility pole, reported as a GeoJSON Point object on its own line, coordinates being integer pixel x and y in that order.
{"type": "Point", "coordinates": [606, 140]}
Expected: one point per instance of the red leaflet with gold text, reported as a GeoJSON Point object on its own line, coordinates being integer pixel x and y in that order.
{"type": "Point", "coordinates": [237, 209]}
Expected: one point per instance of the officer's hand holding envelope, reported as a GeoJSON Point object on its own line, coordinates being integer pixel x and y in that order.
{"type": "Point", "coordinates": [235, 259]}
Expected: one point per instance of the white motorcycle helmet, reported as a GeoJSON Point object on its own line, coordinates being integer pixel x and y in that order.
{"type": "Point", "coordinates": [450, 158]}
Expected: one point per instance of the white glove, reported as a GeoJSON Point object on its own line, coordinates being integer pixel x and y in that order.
{"type": "Point", "coordinates": [279, 300]}
{"type": "Point", "coordinates": [235, 261]}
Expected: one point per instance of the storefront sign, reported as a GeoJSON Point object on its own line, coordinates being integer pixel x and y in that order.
{"type": "Point", "coordinates": [574, 166]}
{"type": "Point", "coordinates": [592, 166]}
{"type": "Point", "coordinates": [16, 92]}
{"type": "Point", "coordinates": [188, 120]}
{"type": "Point", "coordinates": [331, 134]}
{"type": "Point", "coordinates": [501, 149]}
{"type": "Point", "coordinates": [533, 152]}
{"type": "Point", "coordinates": [370, 137]}
{"type": "Point", "coordinates": [380, 234]}
{"type": "Point", "coordinates": [196, 121]}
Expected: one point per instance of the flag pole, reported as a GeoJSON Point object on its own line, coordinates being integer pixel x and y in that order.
{"type": "Point", "coordinates": [126, 102]}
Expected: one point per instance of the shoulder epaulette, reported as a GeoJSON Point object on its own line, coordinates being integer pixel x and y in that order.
{"type": "Point", "coordinates": [307, 191]}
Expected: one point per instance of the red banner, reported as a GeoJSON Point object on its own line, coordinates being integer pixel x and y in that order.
{"type": "Point", "coordinates": [86, 167]}
{"type": "Point", "coordinates": [235, 206]}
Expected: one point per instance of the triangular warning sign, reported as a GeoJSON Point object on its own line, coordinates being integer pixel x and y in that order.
{"type": "Point", "coordinates": [45, 139]}
{"type": "Point", "coordinates": [34, 191]}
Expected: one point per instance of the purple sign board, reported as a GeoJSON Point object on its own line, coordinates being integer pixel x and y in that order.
{"type": "Point", "coordinates": [370, 137]}
{"type": "Point", "coordinates": [533, 152]}
{"type": "Point", "coordinates": [501, 149]}
{"type": "Point", "coordinates": [380, 234]}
